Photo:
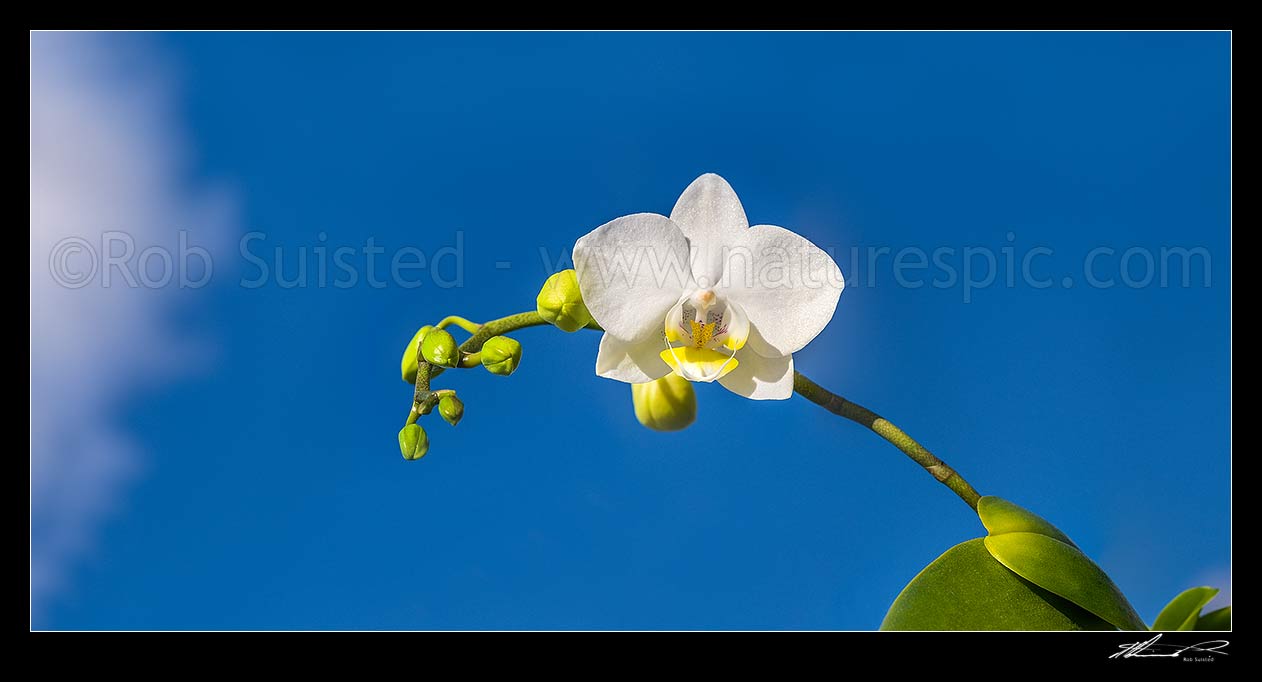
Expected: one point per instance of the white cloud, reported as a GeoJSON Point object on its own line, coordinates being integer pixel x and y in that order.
{"type": "Point", "coordinates": [106, 155]}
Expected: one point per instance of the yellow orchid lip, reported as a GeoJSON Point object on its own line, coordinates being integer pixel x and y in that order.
{"type": "Point", "coordinates": [699, 364]}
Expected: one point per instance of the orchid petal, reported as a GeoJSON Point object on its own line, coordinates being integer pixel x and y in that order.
{"type": "Point", "coordinates": [634, 363]}
{"type": "Point", "coordinates": [787, 286]}
{"type": "Point", "coordinates": [631, 271]}
{"type": "Point", "coordinates": [760, 378]}
{"type": "Point", "coordinates": [711, 217]}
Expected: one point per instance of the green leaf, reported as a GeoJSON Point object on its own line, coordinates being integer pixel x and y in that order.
{"type": "Point", "coordinates": [1001, 516]}
{"type": "Point", "coordinates": [1065, 571]}
{"type": "Point", "coordinates": [1182, 611]}
{"type": "Point", "coordinates": [967, 589]}
{"type": "Point", "coordinates": [1219, 619]}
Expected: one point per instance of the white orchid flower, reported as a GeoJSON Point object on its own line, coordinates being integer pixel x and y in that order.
{"type": "Point", "coordinates": [705, 295]}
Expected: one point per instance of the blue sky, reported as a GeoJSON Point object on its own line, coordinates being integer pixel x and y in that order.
{"type": "Point", "coordinates": [266, 487]}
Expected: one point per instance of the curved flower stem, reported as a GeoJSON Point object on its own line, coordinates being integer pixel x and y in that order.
{"type": "Point", "coordinates": [504, 325]}
{"type": "Point", "coordinates": [803, 386]}
{"type": "Point", "coordinates": [857, 413]}
{"type": "Point", "coordinates": [471, 327]}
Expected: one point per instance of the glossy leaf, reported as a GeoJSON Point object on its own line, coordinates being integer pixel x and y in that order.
{"type": "Point", "coordinates": [1001, 516]}
{"type": "Point", "coordinates": [1064, 570]}
{"type": "Point", "coordinates": [1219, 619]}
{"type": "Point", "coordinates": [1183, 611]}
{"type": "Point", "coordinates": [967, 589]}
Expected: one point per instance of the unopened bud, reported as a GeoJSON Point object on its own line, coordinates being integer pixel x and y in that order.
{"type": "Point", "coordinates": [451, 408]}
{"type": "Point", "coordinates": [413, 442]}
{"type": "Point", "coordinates": [561, 303]}
{"type": "Point", "coordinates": [439, 348]}
{"type": "Point", "coordinates": [668, 404]}
{"type": "Point", "coordinates": [501, 355]}
{"type": "Point", "coordinates": [409, 355]}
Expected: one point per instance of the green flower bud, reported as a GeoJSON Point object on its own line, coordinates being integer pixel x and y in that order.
{"type": "Point", "coordinates": [413, 442]}
{"type": "Point", "coordinates": [668, 404]}
{"type": "Point", "coordinates": [501, 355]}
{"type": "Point", "coordinates": [409, 355]}
{"type": "Point", "coordinates": [451, 408]}
{"type": "Point", "coordinates": [439, 348]}
{"type": "Point", "coordinates": [561, 303]}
